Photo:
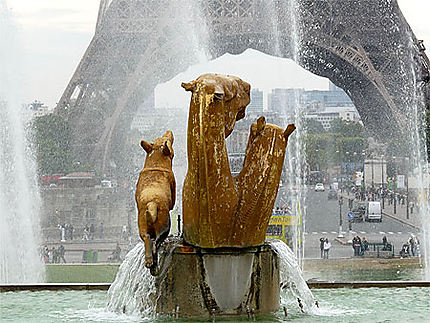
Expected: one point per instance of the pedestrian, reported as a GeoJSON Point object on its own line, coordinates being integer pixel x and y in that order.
{"type": "Point", "coordinates": [385, 242]}
{"type": "Point", "coordinates": [356, 244]}
{"type": "Point", "coordinates": [63, 233]}
{"type": "Point", "coordinates": [124, 232]}
{"type": "Point", "coordinates": [52, 255]}
{"type": "Point", "coordinates": [405, 250]}
{"type": "Point", "coordinates": [66, 231]}
{"type": "Point", "coordinates": [61, 253]}
{"type": "Point", "coordinates": [92, 231]}
{"type": "Point", "coordinates": [322, 246]}
{"type": "Point", "coordinates": [353, 244]}
{"type": "Point", "coordinates": [45, 254]}
{"type": "Point", "coordinates": [411, 242]}
{"type": "Point", "coordinates": [86, 233]}
{"type": "Point", "coordinates": [71, 231]}
{"type": "Point", "coordinates": [417, 246]}
{"type": "Point", "coordinates": [101, 230]}
{"type": "Point", "coordinates": [116, 254]}
{"type": "Point", "coordinates": [365, 246]}
{"type": "Point", "coordinates": [361, 245]}
{"type": "Point", "coordinates": [327, 246]}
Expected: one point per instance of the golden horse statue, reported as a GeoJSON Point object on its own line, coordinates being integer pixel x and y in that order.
{"type": "Point", "coordinates": [219, 210]}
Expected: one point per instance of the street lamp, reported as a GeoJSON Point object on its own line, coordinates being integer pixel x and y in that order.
{"type": "Point", "coordinates": [373, 176]}
{"type": "Point", "coordinates": [382, 181]}
{"type": "Point", "coordinates": [407, 186]}
{"type": "Point", "coordinates": [340, 235]}
{"type": "Point", "coordinates": [339, 170]}
{"type": "Point", "coordinates": [317, 165]}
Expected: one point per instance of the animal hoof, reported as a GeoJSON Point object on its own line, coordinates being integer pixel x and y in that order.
{"type": "Point", "coordinates": [154, 270]}
{"type": "Point", "coordinates": [148, 263]}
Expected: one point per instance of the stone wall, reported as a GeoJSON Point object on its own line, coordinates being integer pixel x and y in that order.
{"type": "Point", "coordinates": [112, 206]}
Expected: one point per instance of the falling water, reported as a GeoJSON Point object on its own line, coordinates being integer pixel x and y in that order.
{"type": "Point", "coordinates": [19, 199]}
{"type": "Point", "coordinates": [291, 276]}
{"type": "Point", "coordinates": [133, 291]}
{"type": "Point", "coordinates": [418, 165]}
{"type": "Point", "coordinates": [295, 154]}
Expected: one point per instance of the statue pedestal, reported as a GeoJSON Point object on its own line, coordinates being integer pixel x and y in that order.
{"type": "Point", "coordinates": [197, 282]}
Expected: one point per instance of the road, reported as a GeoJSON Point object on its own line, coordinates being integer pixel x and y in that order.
{"type": "Point", "coordinates": [322, 220]}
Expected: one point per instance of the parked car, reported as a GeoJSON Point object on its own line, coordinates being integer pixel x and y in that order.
{"type": "Point", "coordinates": [374, 212]}
{"type": "Point", "coordinates": [332, 194]}
{"type": "Point", "coordinates": [106, 183]}
{"type": "Point", "coordinates": [319, 187]}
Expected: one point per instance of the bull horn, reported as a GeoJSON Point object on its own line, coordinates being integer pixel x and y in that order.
{"type": "Point", "coordinates": [261, 124]}
{"type": "Point", "coordinates": [189, 86]}
{"type": "Point", "coordinates": [290, 128]}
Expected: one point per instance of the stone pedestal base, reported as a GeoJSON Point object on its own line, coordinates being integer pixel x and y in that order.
{"type": "Point", "coordinates": [198, 282]}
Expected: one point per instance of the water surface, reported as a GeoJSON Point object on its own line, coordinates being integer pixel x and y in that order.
{"type": "Point", "coordinates": [346, 305]}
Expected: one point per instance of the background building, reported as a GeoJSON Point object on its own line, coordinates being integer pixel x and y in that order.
{"type": "Point", "coordinates": [325, 115]}
{"type": "Point", "coordinates": [284, 101]}
{"type": "Point", "coordinates": [257, 101]}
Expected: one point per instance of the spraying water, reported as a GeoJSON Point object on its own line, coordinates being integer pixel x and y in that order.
{"type": "Point", "coordinates": [19, 199]}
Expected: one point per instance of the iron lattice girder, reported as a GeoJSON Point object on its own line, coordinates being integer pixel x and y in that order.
{"type": "Point", "coordinates": [361, 45]}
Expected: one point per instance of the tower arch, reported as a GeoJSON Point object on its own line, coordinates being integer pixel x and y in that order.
{"type": "Point", "coordinates": [361, 46]}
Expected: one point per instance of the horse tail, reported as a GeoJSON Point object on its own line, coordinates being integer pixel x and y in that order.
{"type": "Point", "coordinates": [151, 212]}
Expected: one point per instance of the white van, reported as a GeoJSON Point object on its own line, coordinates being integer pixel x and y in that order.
{"type": "Point", "coordinates": [374, 212]}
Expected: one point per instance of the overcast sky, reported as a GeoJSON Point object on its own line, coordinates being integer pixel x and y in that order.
{"type": "Point", "coordinates": [55, 33]}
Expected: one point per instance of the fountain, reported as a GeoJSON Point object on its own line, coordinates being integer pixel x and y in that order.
{"type": "Point", "coordinates": [19, 201]}
{"type": "Point", "coordinates": [219, 267]}
{"type": "Point", "coordinates": [223, 265]}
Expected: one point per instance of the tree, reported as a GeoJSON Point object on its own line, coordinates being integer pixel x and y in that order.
{"type": "Point", "coordinates": [51, 137]}
{"type": "Point", "coordinates": [313, 126]}
{"type": "Point", "coordinates": [346, 128]}
{"type": "Point", "coordinates": [343, 142]}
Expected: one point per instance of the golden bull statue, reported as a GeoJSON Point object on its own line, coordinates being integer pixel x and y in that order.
{"type": "Point", "coordinates": [219, 210]}
{"type": "Point", "coordinates": [155, 196]}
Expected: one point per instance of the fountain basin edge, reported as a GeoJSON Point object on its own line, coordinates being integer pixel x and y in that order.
{"type": "Point", "coordinates": [312, 285]}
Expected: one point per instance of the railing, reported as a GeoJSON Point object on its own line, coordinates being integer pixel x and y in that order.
{"type": "Point", "coordinates": [379, 246]}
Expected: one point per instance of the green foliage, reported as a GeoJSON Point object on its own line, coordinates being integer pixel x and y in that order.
{"type": "Point", "coordinates": [344, 142]}
{"type": "Point", "coordinates": [51, 136]}
{"type": "Point", "coordinates": [313, 126]}
{"type": "Point", "coordinates": [346, 129]}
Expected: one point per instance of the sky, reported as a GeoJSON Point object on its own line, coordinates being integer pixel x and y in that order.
{"type": "Point", "coordinates": [54, 35]}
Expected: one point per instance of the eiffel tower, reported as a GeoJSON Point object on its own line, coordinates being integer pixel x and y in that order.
{"type": "Point", "coordinates": [362, 46]}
